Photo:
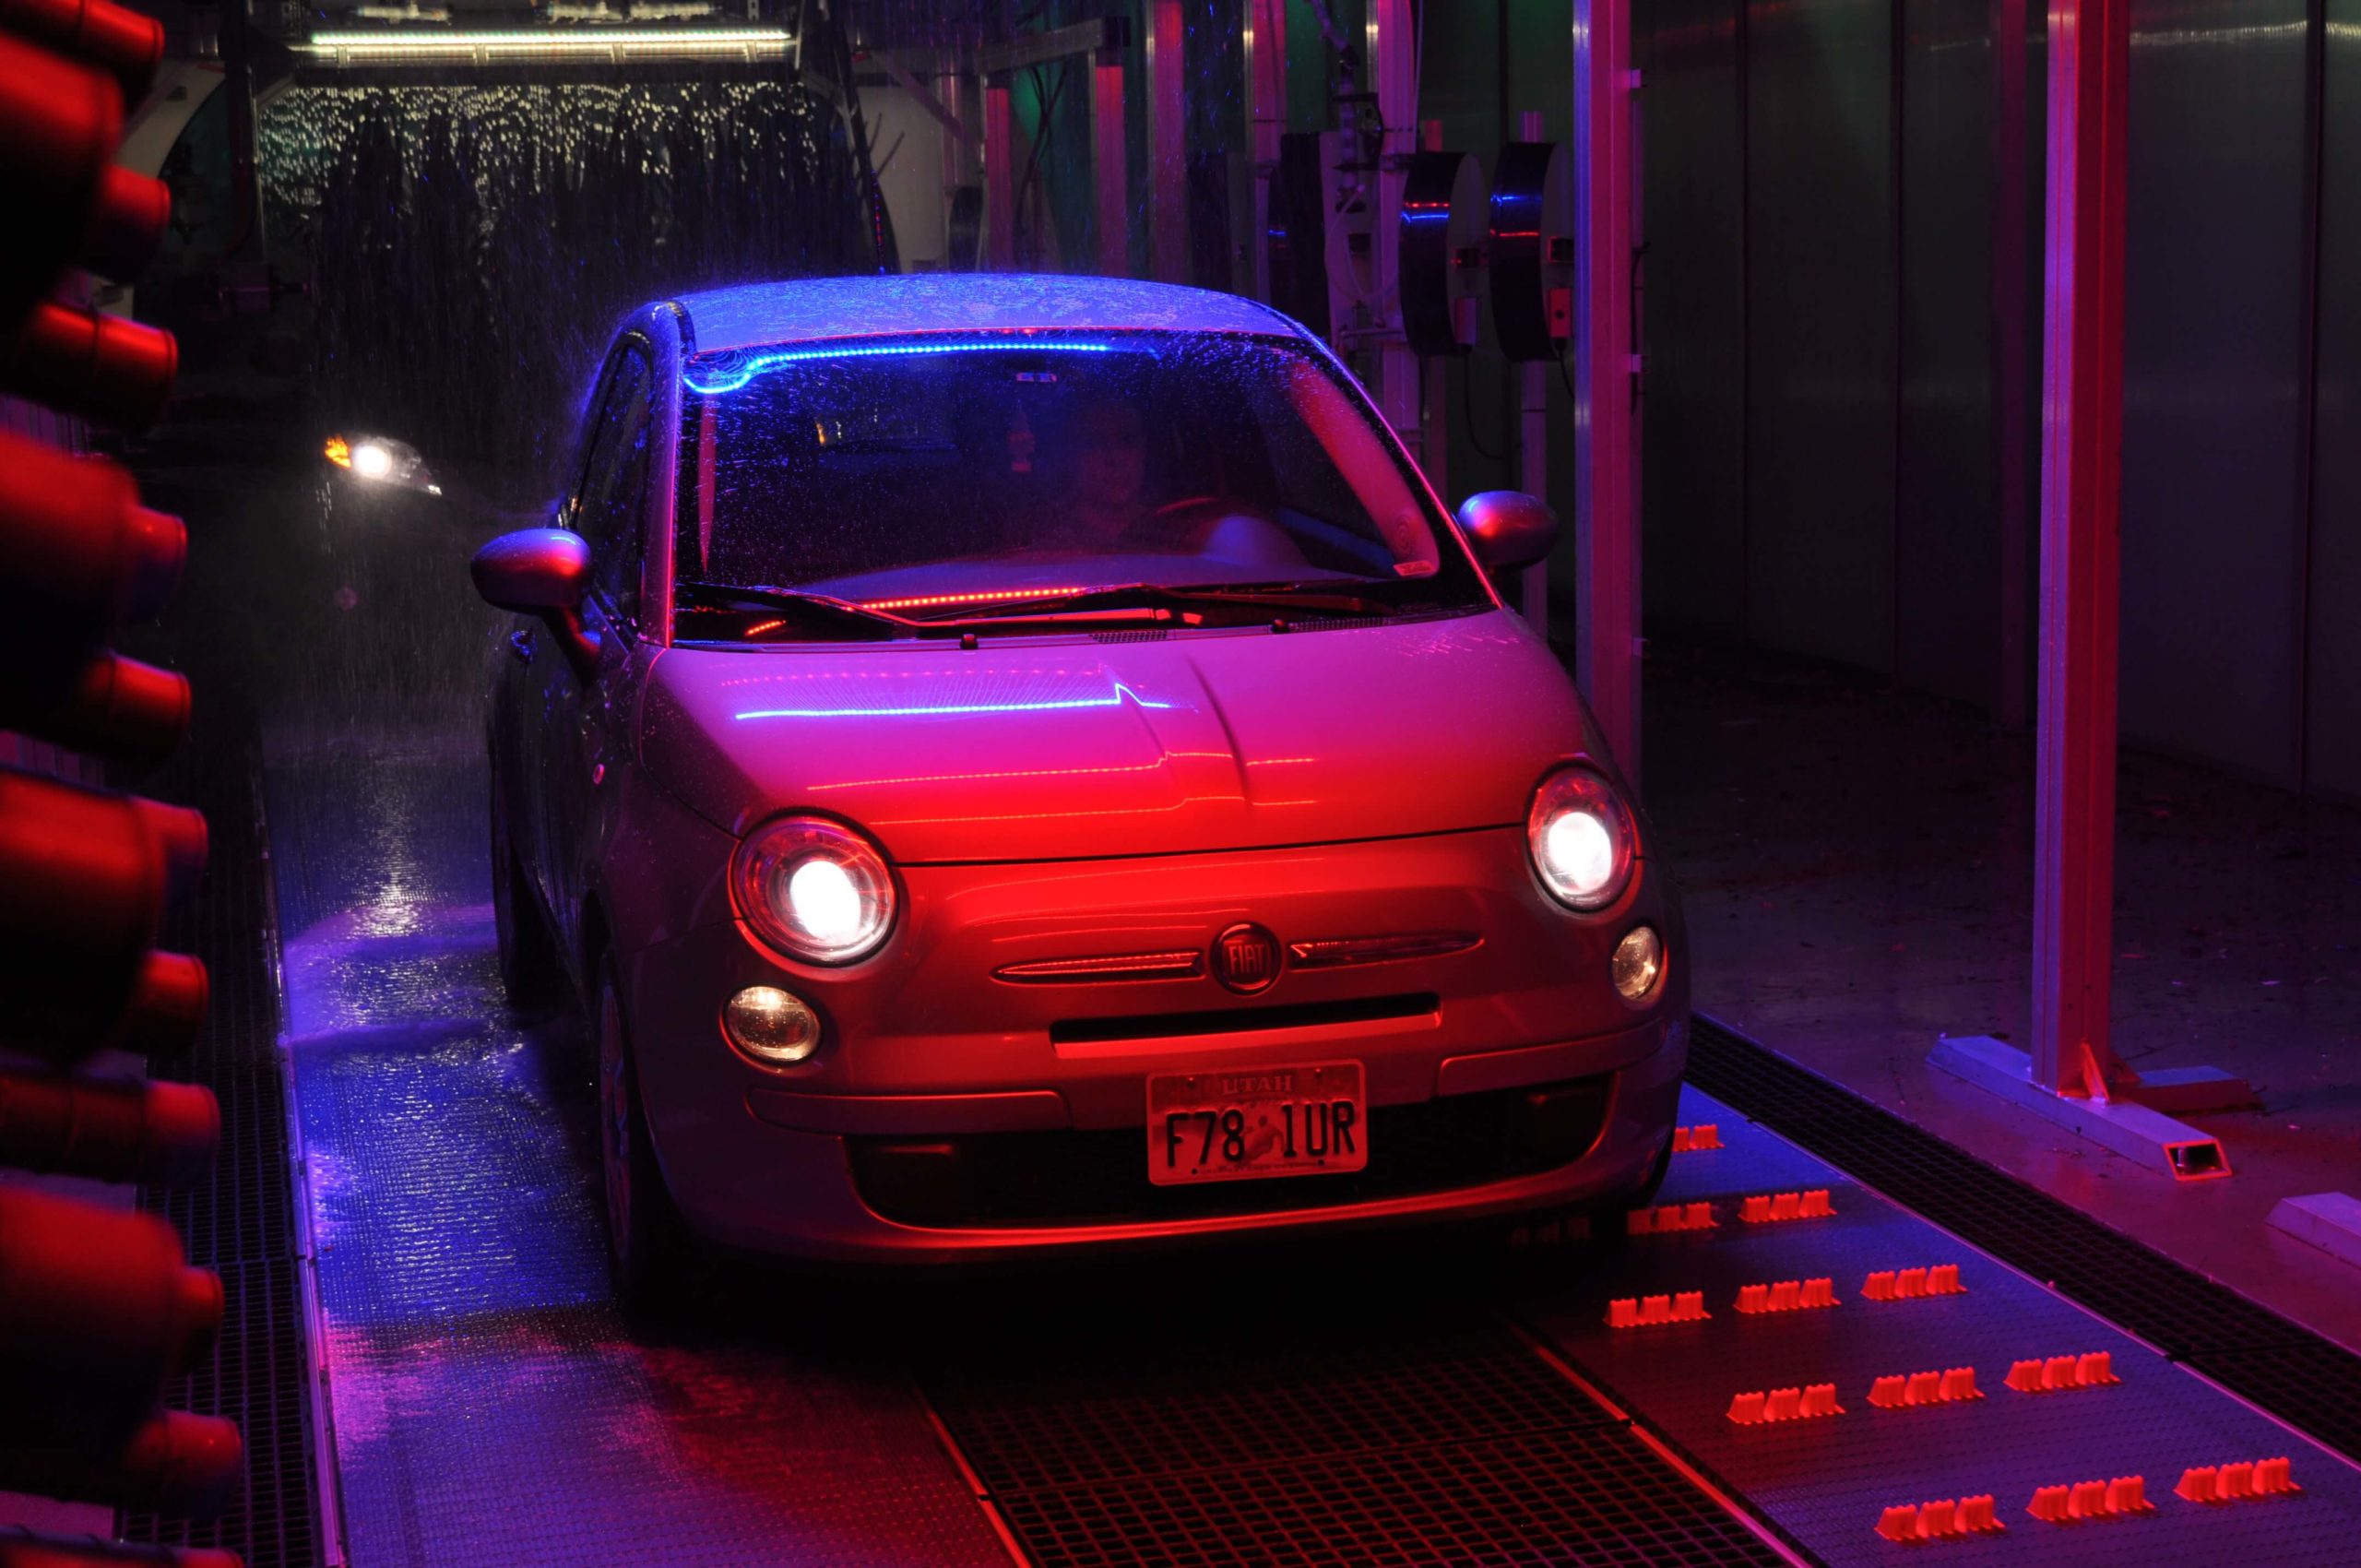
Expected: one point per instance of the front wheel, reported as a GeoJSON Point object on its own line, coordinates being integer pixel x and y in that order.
{"type": "Point", "coordinates": [529, 962]}
{"type": "Point", "coordinates": [648, 1251]}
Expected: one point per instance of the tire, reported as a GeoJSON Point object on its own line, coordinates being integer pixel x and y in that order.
{"type": "Point", "coordinates": [648, 1251]}
{"type": "Point", "coordinates": [529, 969]}
{"type": "Point", "coordinates": [1653, 1184]}
{"type": "Point", "coordinates": [1603, 1216]}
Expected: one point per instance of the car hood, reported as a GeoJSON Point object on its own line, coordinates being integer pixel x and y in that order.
{"type": "Point", "coordinates": [1079, 749]}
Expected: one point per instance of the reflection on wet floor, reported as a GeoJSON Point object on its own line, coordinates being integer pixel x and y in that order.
{"type": "Point", "coordinates": [488, 1406]}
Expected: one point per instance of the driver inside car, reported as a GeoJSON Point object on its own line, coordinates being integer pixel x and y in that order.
{"type": "Point", "coordinates": [1103, 508]}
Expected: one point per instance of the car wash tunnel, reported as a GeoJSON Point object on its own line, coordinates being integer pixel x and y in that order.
{"type": "Point", "coordinates": [1188, 782]}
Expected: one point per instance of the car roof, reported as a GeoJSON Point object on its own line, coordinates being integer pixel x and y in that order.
{"type": "Point", "coordinates": [766, 314]}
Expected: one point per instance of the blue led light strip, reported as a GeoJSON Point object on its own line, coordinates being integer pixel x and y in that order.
{"type": "Point", "coordinates": [737, 372]}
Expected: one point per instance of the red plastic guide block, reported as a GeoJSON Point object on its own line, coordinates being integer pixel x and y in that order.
{"type": "Point", "coordinates": [1646, 1312]}
{"type": "Point", "coordinates": [1765, 1208]}
{"type": "Point", "coordinates": [1669, 1217]}
{"type": "Point", "coordinates": [2049, 1376]}
{"type": "Point", "coordinates": [1784, 1404]}
{"type": "Point", "coordinates": [2243, 1481]}
{"type": "Point", "coordinates": [1698, 1139]}
{"type": "Point", "coordinates": [1932, 1521]}
{"type": "Point", "coordinates": [1955, 1386]}
{"type": "Point", "coordinates": [2090, 1500]}
{"type": "Point", "coordinates": [1787, 1296]}
{"type": "Point", "coordinates": [1908, 1284]}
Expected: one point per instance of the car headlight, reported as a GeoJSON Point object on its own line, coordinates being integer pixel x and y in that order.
{"type": "Point", "coordinates": [382, 459]}
{"type": "Point", "coordinates": [1581, 839]}
{"type": "Point", "coordinates": [815, 888]}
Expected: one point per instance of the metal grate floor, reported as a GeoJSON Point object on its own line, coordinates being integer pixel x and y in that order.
{"type": "Point", "coordinates": [1586, 1495]}
{"type": "Point", "coordinates": [237, 1221]}
{"type": "Point", "coordinates": [1277, 1438]}
{"type": "Point", "coordinates": [2303, 1379]}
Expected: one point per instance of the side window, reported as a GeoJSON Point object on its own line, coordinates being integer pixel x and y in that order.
{"type": "Point", "coordinates": [608, 507]}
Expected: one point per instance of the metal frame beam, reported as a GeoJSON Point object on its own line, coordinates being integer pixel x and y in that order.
{"type": "Point", "coordinates": [1000, 178]}
{"type": "Point", "coordinates": [2073, 1076]}
{"type": "Point", "coordinates": [2012, 311]}
{"type": "Point", "coordinates": [1390, 44]}
{"type": "Point", "coordinates": [1266, 122]}
{"type": "Point", "coordinates": [901, 77]}
{"type": "Point", "coordinates": [1168, 161]}
{"type": "Point", "coordinates": [1113, 33]}
{"type": "Point", "coordinates": [1606, 512]}
{"type": "Point", "coordinates": [2081, 484]}
{"type": "Point", "coordinates": [1109, 172]}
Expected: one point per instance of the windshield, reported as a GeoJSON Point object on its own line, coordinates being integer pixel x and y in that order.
{"type": "Point", "coordinates": [947, 476]}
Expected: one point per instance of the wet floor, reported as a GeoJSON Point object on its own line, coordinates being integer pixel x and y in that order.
{"type": "Point", "coordinates": [490, 1406]}
{"type": "Point", "coordinates": [1858, 870]}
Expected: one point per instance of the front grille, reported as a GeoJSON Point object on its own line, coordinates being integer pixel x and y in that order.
{"type": "Point", "coordinates": [1100, 1177]}
{"type": "Point", "coordinates": [1245, 1020]}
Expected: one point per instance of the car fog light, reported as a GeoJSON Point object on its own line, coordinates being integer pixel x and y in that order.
{"type": "Point", "coordinates": [772, 1026]}
{"type": "Point", "coordinates": [1638, 962]}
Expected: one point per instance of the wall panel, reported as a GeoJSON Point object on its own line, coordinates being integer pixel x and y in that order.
{"type": "Point", "coordinates": [1693, 437]}
{"type": "Point", "coordinates": [1820, 307]}
{"type": "Point", "coordinates": [2213, 357]}
{"type": "Point", "coordinates": [2332, 683]}
{"type": "Point", "coordinates": [1946, 581]}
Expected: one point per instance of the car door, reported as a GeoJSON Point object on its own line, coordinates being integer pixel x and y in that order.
{"type": "Point", "coordinates": [535, 681]}
{"type": "Point", "coordinates": [583, 719]}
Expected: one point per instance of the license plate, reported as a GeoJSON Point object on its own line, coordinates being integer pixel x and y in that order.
{"type": "Point", "coordinates": [1242, 1123]}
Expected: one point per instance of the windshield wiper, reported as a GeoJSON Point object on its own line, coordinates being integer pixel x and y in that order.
{"type": "Point", "coordinates": [817, 607]}
{"type": "Point", "coordinates": [1261, 596]}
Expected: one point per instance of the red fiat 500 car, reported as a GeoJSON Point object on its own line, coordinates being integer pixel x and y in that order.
{"type": "Point", "coordinates": [1022, 764]}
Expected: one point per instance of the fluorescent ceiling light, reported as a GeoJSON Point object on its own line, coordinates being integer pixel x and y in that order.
{"type": "Point", "coordinates": [612, 44]}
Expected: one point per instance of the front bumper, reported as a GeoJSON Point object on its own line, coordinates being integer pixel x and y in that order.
{"type": "Point", "coordinates": [929, 1056]}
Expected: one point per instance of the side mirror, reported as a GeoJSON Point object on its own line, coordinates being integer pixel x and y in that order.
{"type": "Point", "coordinates": [542, 571]}
{"type": "Point", "coordinates": [1508, 528]}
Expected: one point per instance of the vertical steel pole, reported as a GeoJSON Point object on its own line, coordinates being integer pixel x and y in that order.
{"type": "Point", "coordinates": [1607, 517]}
{"type": "Point", "coordinates": [2011, 357]}
{"type": "Point", "coordinates": [1266, 86]}
{"type": "Point", "coordinates": [1434, 374]}
{"type": "Point", "coordinates": [1108, 176]}
{"type": "Point", "coordinates": [1000, 179]}
{"type": "Point", "coordinates": [1533, 436]}
{"type": "Point", "coordinates": [1168, 161]}
{"type": "Point", "coordinates": [1392, 50]}
{"type": "Point", "coordinates": [2081, 474]}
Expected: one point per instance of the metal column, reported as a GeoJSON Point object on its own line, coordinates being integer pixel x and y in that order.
{"type": "Point", "coordinates": [1532, 437]}
{"type": "Point", "coordinates": [1606, 516]}
{"type": "Point", "coordinates": [1266, 110]}
{"type": "Point", "coordinates": [1167, 161]}
{"type": "Point", "coordinates": [2011, 374]}
{"type": "Point", "coordinates": [2082, 482]}
{"type": "Point", "coordinates": [2073, 1076]}
{"type": "Point", "coordinates": [1392, 47]}
{"type": "Point", "coordinates": [1108, 174]}
{"type": "Point", "coordinates": [1000, 178]}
